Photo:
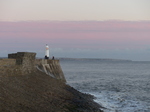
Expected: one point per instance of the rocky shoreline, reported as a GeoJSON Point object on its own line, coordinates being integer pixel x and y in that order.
{"type": "Point", "coordinates": [38, 92]}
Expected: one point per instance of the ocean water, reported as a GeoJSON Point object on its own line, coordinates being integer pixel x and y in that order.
{"type": "Point", "coordinates": [119, 86]}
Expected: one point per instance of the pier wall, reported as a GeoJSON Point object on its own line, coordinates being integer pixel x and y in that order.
{"type": "Point", "coordinates": [25, 62]}
{"type": "Point", "coordinates": [51, 67]}
{"type": "Point", "coordinates": [7, 62]}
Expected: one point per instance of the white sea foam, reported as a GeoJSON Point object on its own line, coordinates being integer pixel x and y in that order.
{"type": "Point", "coordinates": [114, 102]}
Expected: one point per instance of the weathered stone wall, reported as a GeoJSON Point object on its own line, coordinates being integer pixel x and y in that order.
{"type": "Point", "coordinates": [12, 56]}
{"type": "Point", "coordinates": [51, 67]}
{"type": "Point", "coordinates": [56, 69]}
{"type": "Point", "coordinates": [7, 66]}
{"type": "Point", "coordinates": [7, 62]}
{"type": "Point", "coordinates": [25, 62]}
{"type": "Point", "coordinates": [23, 58]}
{"type": "Point", "coordinates": [10, 70]}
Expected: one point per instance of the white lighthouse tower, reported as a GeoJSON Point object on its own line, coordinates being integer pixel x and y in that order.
{"type": "Point", "coordinates": [47, 52]}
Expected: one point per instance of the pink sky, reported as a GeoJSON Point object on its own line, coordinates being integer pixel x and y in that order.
{"type": "Point", "coordinates": [75, 37]}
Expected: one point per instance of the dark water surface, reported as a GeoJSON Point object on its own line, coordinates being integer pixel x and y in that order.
{"type": "Point", "coordinates": [120, 86]}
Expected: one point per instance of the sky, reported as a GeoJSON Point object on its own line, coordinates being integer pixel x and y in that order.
{"type": "Point", "coordinates": [74, 10]}
{"type": "Point", "coordinates": [118, 29]}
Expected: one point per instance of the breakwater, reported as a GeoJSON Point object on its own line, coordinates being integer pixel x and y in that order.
{"type": "Point", "coordinates": [25, 62]}
{"type": "Point", "coordinates": [37, 85]}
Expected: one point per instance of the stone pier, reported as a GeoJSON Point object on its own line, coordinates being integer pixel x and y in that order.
{"type": "Point", "coordinates": [25, 62]}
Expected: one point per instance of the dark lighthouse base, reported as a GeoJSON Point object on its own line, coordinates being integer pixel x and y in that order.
{"type": "Point", "coordinates": [46, 57]}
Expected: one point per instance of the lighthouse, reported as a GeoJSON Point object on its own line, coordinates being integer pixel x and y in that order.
{"type": "Point", "coordinates": [47, 52]}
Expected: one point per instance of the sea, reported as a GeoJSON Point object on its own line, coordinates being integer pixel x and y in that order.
{"type": "Point", "coordinates": [118, 85]}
